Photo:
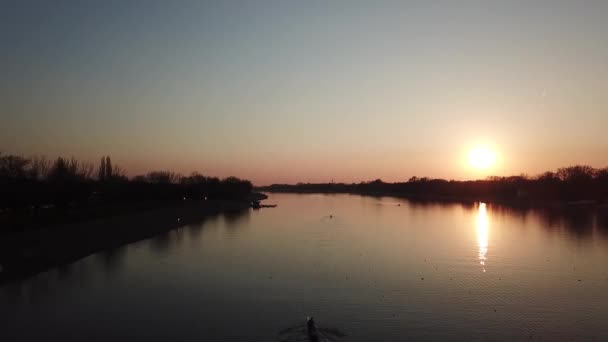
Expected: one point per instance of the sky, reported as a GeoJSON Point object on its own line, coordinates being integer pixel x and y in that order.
{"type": "Point", "coordinates": [307, 91]}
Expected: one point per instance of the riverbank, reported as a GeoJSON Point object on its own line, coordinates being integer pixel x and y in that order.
{"type": "Point", "coordinates": [26, 253]}
{"type": "Point", "coordinates": [419, 197]}
{"type": "Point", "coordinates": [515, 203]}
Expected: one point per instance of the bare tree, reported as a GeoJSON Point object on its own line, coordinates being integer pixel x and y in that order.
{"type": "Point", "coordinates": [163, 177]}
{"type": "Point", "coordinates": [101, 174]}
{"type": "Point", "coordinates": [13, 166]}
{"type": "Point", "coordinates": [109, 170]}
{"type": "Point", "coordinates": [576, 173]}
{"type": "Point", "coordinates": [39, 167]}
{"type": "Point", "coordinates": [85, 170]}
{"type": "Point", "coordinates": [118, 173]}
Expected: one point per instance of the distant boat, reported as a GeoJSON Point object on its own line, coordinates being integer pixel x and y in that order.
{"type": "Point", "coordinates": [257, 205]}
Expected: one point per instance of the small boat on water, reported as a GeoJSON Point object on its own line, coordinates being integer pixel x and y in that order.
{"type": "Point", "coordinates": [257, 205]}
{"type": "Point", "coordinates": [311, 332]}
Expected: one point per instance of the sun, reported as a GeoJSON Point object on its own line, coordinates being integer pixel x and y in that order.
{"type": "Point", "coordinates": [482, 158]}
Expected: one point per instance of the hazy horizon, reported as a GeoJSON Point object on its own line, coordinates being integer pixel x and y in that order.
{"type": "Point", "coordinates": [280, 92]}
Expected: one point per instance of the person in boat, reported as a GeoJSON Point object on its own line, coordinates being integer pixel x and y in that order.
{"type": "Point", "coordinates": [312, 330]}
{"type": "Point", "coordinates": [310, 324]}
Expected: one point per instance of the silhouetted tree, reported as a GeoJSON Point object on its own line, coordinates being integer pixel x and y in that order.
{"type": "Point", "coordinates": [101, 174]}
{"type": "Point", "coordinates": [548, 177]}
{"type": "Point", "coordinates": [573, 183]}
{"type": "Point", "coordinates": [118, 174]}
{"type": "Point", "coordinates": [163, 177]}
{"type": "Point", "coordinates": [59, 171]}
{"type": "Point", "coordinates": [139, 179]}
{"type": "Point", "coordinates": [12, 166]}
{"type": "Point", "coordinates": [69, 183]}
{"type": "Point", "coordinates": [235, 187]}
{"type": "Point", "coordinates": [576, 173]}
{"type": "Point", "coordinates": [39, 168]}
{"type": "Point", "coordinates": [602, 175]}
{"type": "Point", "coordinates": [109, 169]}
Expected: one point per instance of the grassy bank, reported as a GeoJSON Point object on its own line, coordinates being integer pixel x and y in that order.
{"type": "Point", "coordinates": [28, 252]}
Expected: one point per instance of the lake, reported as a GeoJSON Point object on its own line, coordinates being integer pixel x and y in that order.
{"type": "Point", "coordinates": [376, 268]}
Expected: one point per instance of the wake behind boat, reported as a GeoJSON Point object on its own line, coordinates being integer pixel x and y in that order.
{"type": "Point", "coordinates": [310, 331]}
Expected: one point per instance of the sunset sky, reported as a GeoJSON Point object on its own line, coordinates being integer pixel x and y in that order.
{"type": "Point", "coordinates": [309, 91]}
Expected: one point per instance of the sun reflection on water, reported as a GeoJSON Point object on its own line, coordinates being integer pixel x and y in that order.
{"type": "Point", "coordinates": [482, 234]}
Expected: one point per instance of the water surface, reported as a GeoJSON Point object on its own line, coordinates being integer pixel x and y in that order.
{"type": "Point", "coordinates": [376, 268]}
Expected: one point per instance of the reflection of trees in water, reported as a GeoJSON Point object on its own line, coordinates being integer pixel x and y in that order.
{"type": "Point", "coordinates": [65, 270]}
{"type": "Point", "coordinates": [160, 243]}
{"type": "Point", "coordinates": [580, 222]}
{"type": "Point", "coordinates": [501, 211]}
{"type": "Point", "coordinates": [44, 285]}
{"type": "Point", "coordinates": [235, 218]}
{"type": "Point", "coordinates": [163, 242]}
{"type": "Point", "coordinates": [232, 219]}
{"type": "Point", "coordinates": [602, 220]}
{"type": "Point", "coordinates": [423, 204]}
{"type": "Point", "coordinates": [195, 229]}
{"type": "Point", "coordinates": [113, 260]}
{"type": "Point", "coordinates": [28, 291]}
{"type": "Point", "coordinates": [439, 204]}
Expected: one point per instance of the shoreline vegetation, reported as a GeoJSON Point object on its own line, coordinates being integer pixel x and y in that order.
{"type": "Point", "coordinates": [569, 186]}
{"type": "Point", "coordinates": [56, 212]}
{"type": "Point", "coordinates": [38, 193]}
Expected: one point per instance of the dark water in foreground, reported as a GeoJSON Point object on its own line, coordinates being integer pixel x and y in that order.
{"type": "Point", "coordinates": [377, 270]}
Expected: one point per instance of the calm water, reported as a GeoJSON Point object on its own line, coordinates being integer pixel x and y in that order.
{"type": "Point", "coordinates": [379, 269]}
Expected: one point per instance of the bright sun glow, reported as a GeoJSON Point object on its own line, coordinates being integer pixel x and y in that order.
{"type": "Point", "coordinates": [482, 158]}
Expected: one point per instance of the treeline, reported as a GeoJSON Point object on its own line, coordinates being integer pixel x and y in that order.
{"type": "Point", "coordinates": [568, 184]}
{"type": "Point", "coordinates": [37, 182]}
